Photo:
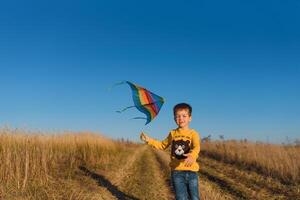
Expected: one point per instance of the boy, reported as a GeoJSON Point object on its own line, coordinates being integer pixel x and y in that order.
{"type": "Point", "coordinates": [184, 152]}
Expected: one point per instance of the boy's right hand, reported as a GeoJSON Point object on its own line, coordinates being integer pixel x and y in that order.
{"type": "Point", "coordinates": [144, 137]}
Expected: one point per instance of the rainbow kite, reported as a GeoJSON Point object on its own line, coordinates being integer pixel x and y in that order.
{"type": "Point", "coordinates": [145, 101]}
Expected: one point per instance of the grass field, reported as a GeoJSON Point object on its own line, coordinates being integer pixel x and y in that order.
{"type": "Point", "coordinates": [87, 166]}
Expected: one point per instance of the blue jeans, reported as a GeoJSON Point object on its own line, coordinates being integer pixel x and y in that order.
{"type": "Point", "coordinates": [185, 184]}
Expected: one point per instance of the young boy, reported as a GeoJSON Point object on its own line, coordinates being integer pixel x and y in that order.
{"type": "Point", "coordinates": [184, 153]}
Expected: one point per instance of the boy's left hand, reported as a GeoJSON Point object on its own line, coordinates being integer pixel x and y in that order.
{"type": "Point", "coordinates": [189, 160]}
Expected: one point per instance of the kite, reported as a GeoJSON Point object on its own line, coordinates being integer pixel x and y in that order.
{"type": "Point", "coordinates": [145, 101]}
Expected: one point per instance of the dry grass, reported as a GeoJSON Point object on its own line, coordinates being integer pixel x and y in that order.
{"type": "Point", "coordinates": [278, 161]}
{"type": "Point", "coordinates": [40, 166]}
{"type": "Point", "coordinates": [46, 166]}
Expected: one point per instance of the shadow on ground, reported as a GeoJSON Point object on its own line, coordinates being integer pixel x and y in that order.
{"type": "Point", "coordinates": [102, 181]}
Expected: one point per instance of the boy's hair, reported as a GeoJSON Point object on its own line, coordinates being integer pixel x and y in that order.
{"type": "Point", "coordinates": [182, 106]}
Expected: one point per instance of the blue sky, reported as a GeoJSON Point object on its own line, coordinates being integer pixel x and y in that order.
{"type": "Point", "coordinates": [237, 63]}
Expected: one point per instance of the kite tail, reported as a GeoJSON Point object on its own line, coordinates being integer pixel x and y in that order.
{"type": "Point", "coordinates": [120, 111]}
{"type": "Point", "coordinates": [139, 118]}
{"type": "Point", "coordinates": [147, 120]}
{"type": "Point", "coordinates": [116, 84]}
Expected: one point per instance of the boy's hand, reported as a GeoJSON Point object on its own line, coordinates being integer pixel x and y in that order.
{"type": "Point", "coordinates": [144, 137]}
{"type": "Point", "coordinates": [189, 160]}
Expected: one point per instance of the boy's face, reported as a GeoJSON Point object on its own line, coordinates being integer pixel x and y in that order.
{"type": "Point", "coordinates": [182, 118]}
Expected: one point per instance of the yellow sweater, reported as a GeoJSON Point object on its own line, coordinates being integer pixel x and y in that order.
{"type": "Point", "coordinates": [182, 142]}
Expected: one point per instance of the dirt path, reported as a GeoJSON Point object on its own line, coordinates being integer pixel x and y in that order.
{"type": "Point", "coordinates": [236, 183]}
{"type": "Point", "coordinates": [146, 179]}
{"type": "Point", "coordinates": [142, 177]}
{"type": "Point", "coordinates": [144, 174]}
{"type": "Point", "coordinates": [106, 182]}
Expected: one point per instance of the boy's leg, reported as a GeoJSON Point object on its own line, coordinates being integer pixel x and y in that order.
{"type": "Point", "coordinates": [179, 182]}
{"type": "Point", "coordinates": [193, 186]}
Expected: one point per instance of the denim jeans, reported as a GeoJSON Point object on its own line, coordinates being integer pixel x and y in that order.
{"type": "Point", "coordinates": [185, 184]}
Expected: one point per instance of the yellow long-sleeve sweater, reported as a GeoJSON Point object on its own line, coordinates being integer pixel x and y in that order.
{"type": "Point", "coordinates": [182, 141]}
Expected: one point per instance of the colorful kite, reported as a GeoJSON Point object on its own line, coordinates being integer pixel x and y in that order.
{"type": "Point", "coordinates": [145, 101]}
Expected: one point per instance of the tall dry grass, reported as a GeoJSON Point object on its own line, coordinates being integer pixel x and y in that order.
{"type": "Point", "coordinates": [278, 161]}
{"type": "Point", "coordinates": [32, 162]}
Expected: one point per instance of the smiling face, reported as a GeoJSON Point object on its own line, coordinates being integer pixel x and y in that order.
{"type": "Point", "coordinates": [182, 118]}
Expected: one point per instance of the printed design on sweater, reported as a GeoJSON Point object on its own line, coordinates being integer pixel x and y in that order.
{"type": "Point", "coordinates": [180, 147]}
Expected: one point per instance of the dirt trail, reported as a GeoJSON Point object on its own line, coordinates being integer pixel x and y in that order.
{"type": "Point", "coordinates": [145, 174]}
{"type": "Point", "coordinates": [106, 182]}
{"type": "Point", "coordinates": [141, 178]}
{"type": "Point", "coordinates": [146, 179]}
{"type": "Point", "coordinates": [243, 184]}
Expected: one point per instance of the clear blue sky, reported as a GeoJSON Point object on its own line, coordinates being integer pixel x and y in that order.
{"type": "Point", "coordinates": [236, 62]}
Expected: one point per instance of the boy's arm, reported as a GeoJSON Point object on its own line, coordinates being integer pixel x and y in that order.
{"type": "Point", "coordinates": [159, 144]}
{"type": "Point", "coordinates": [196, 146]}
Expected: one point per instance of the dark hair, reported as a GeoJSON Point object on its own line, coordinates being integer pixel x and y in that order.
{"type": "Point", "coordinates": [182, 106]}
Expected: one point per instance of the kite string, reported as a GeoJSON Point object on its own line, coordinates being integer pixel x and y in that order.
{"type": "Point", "coordinates": [143, 130]}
